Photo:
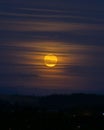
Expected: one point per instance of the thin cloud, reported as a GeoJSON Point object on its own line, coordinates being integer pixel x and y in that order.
{"type": "Point", "coordinates": [48, 26]}
{"type": "Point", "coordinates": [51, 16]}
{"type": "Point", "coordinates": [45, 10]}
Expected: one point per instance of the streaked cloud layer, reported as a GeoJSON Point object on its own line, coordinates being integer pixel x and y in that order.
{"type": "Point", "coordinates": [73, 31]}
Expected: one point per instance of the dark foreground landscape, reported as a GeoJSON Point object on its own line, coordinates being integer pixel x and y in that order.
{"type": "Point", "coordinates": [55, 112]}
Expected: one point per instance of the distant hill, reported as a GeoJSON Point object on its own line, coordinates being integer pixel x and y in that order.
{"type": "Point", "coordinates": [55, 101]}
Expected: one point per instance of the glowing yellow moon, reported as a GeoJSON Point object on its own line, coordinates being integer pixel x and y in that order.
{"type": "Point", "coordinates": [50, 60]}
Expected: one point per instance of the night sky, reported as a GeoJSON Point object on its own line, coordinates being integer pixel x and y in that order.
{"type": "Point", "coordinates": [72, 30]}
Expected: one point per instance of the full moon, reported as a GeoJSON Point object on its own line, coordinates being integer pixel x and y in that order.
{"type": "Point", "coordinates": [50, 60]}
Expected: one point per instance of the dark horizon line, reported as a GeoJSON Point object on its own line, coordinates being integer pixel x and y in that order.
{"type": "Point", "coordinates": [52, 95]}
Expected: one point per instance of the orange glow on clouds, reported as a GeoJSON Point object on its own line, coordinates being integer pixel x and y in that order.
{"type": "Point", "coordinates": [31, 61]}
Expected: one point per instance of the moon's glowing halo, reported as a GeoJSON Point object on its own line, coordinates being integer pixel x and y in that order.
{"type": "Point", "coordinates": [50, 60]}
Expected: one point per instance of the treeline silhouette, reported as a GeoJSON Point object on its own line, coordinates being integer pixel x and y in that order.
{"type": "Point", "coordinates": [58, 112]}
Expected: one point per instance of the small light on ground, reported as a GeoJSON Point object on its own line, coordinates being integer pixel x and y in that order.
{"type": "Point", "coordinates": [78, 126]}
{"type": "Point", "coordinates": [103, 113]}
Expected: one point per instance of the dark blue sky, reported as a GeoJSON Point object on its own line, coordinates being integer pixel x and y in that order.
{"type": "Point", "coordinates": [72, 30]}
